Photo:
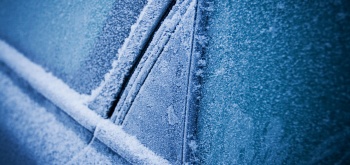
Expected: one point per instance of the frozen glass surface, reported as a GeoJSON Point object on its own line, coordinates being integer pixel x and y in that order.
{"type": "Point", "coordinates": [277, 84]}
{"type": "Point", "coordinates": [75, 40]}
{"type": "Point", "coordinates": [158, 108]}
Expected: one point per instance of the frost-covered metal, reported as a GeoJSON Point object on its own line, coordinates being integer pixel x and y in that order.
{"type": "Point", "coordinates": [276, 84]}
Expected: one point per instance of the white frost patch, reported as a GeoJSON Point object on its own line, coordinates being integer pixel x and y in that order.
{"type": "Point", "coordinates": [220, 71]}
{"type": "Point", "coordinates": [193, 145]}
{"type": "Point", "coordinates": [172, 118]}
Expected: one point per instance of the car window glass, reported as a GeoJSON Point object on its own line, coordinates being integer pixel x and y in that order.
{"type": "Point", "coordinates": [75, 40]}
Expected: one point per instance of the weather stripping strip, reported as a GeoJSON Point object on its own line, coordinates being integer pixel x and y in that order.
{"type": "Point", "coordinates": [73, 104]}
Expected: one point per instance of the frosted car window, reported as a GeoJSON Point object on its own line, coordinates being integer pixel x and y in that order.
{"type": "Point", "coordinates": [276, 88]}
{"type": "Point", "coordinates": [75, 40]}
{"type": "Point", "coordinates": [155, 111]}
